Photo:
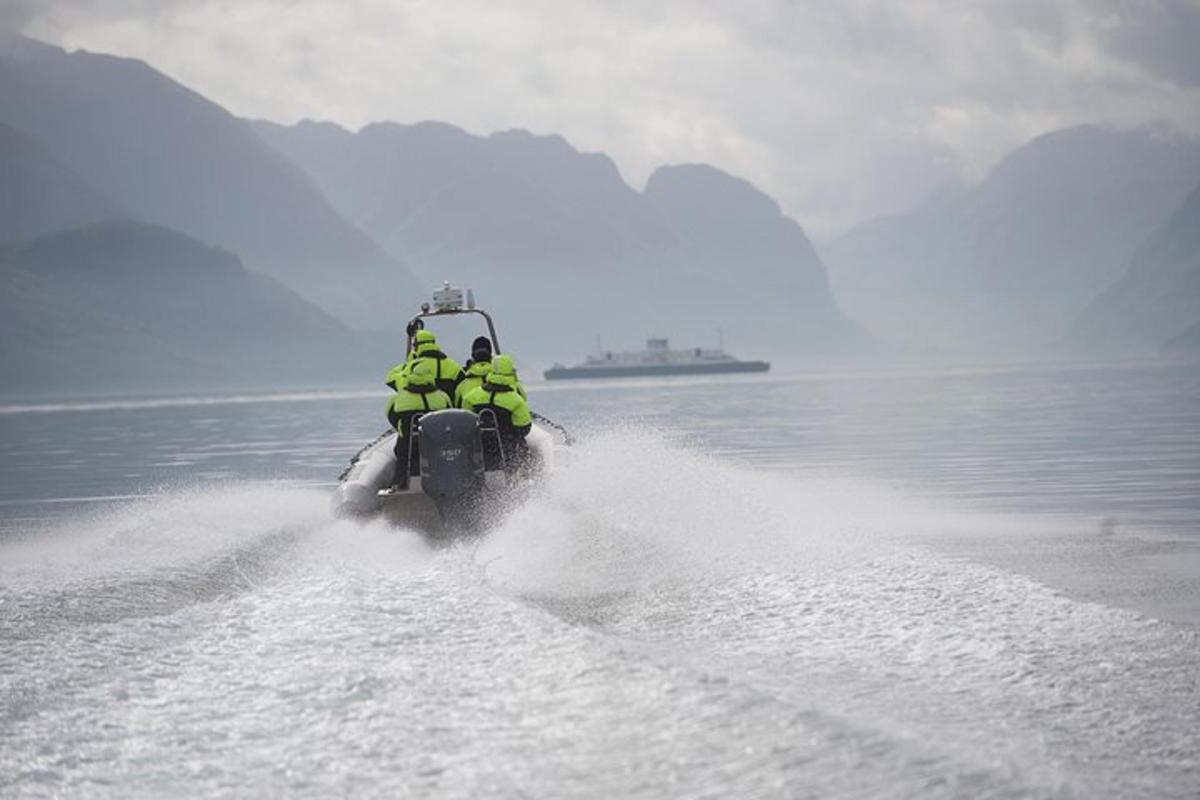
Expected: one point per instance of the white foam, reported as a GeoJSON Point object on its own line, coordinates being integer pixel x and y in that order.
{"type": "Point", "coordinates": [655, 620]}
{"type": "Point", "coordinates": [635, 505]}
{"type": "Point", "coordinates": [154, 532]}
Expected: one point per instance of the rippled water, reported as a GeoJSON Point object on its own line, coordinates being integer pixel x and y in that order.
{"type": "Point", "coordinates": [941, 585]}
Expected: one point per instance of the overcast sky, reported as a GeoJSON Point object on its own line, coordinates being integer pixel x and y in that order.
{"type": "Point", "coordinates": [838, 109]}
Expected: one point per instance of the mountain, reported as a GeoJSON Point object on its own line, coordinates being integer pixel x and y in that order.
{"type": "Point", "coordinates": [741, 244]}
{"type": "Point", "coordinates": [424, 187]}
{"type": "Point", "coordinates": [1006, 264]}
{"type": "Point", "coordinates": [171, 157]}
{"type": "Point", "coordinates": [1157, 298]}
{"type": "Point", "coordinates": [122, 304]}
{"type": "Point", "coordinates": [39, 194]}
{"type": "Point", "coordinates": [557, 236]}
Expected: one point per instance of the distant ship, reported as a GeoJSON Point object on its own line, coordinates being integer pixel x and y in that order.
{"type": "Point", "coordinates": [657, 359]}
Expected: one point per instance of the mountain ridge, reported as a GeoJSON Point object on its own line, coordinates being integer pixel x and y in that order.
{"type": "Point", "coordinates": [514, 209]}
{"type": "Point", "coordinates": [171, 157]}
{"type": "Point", "coordinates": [123, 304]}
{"type": "Point", "coordinates": [1007, 263]}
{"type": "Point", "coordinates": [1151, 306]}
{"type": "Point", "coordinates": [40, 194]}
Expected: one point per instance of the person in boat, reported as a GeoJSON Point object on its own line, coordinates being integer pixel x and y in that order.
{"type": "Point", "coordinates": [446, 370]}
{"type": "Point", "coordinates": [481, 350]}
{"type": "Point", "coordinates": [397, 374]}
{"type": "Point", "coordinates": [475, 371]}
{"type": "Point", "coordinates": [417, 394]}
{"type": "Point", "coordinates": [498, 394]}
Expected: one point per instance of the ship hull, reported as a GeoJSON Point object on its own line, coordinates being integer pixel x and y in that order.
{"type": "Point", "coordinates": [652, 370]}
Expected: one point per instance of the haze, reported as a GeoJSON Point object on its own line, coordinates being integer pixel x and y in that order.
{"type": "Point", "coordinates": [841, 111]}
{"type": "Point", "coordinates": [829, 183]}
{"type": "Point", "coordinates": [927, 528]}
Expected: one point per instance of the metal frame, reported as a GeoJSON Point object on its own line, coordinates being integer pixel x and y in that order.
{"type": "Point", "coordinates": [490, 423]}
{"type": "Point", "coordinates": [568, 439]}
{"type": "Point", "coordinates": [424, 315]}
{"type": "Point", "coordinates": [411, 438]}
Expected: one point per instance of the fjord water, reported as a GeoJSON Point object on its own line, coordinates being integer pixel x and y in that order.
{"type": "Point", "coordinates": [975, 583]}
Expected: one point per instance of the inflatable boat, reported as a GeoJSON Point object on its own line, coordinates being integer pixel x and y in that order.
{"type": "Point", "coordinates": [459, 477]}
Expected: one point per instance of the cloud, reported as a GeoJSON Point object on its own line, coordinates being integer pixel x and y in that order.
{"type": "Point", "coordinates": [1161, 35]}
{"type": "Point", "coordinates": [14, 16]}
{"type": "Point", "coordinates": [840, 110]}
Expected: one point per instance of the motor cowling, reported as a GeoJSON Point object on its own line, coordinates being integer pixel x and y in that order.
{"type": "Point", "coordinates": [451, 455]}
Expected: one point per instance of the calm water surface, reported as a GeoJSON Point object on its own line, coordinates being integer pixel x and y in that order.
{"type": "Point", "coordinates": [912, 584]}
{"type": "Point", "coordinates": [1089, 442]}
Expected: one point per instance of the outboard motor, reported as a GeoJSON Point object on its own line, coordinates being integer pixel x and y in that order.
{"type": "Point", "coordinates": [452, 462]}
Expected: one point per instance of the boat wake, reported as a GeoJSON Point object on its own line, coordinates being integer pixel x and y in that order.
{"type": "Point", "coordinates": [654, 618]}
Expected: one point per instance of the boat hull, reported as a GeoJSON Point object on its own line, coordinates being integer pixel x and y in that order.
{"type": "Point", "coordinates": [365, 490]}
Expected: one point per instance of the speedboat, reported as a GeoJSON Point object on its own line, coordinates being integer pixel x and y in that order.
{"type": "Point", "coordinates": [459, 477]}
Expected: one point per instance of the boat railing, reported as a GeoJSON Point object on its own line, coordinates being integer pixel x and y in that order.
{"type": "Point", "coordinates": [567, 438]}
{"type": "Point", "coordinates": [412, 456]}
{"type": "Point", "coordinates": [489, 426]}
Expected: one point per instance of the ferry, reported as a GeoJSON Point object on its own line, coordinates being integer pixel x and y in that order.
{"type": "Point", "coordinates": [657, 359]}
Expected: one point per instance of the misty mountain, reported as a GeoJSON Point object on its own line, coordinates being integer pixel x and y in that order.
{"type": "Point", "coordinates": [39, 194]}
{"type": "Point", "coordinates": [740, 243]}
{"type": "Point", "coordinates": [557, 236]}
{"type": "Point", "coordinates": [1156, 299]}
{"type": "Point", "coordinates": [171, 157]}
{"type": "Point", "coordinates": [122, 304]}
{"type": "Point", "coordinates": [424, 187]}
{"type": "Point", "coordinates": [1008, 263]}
